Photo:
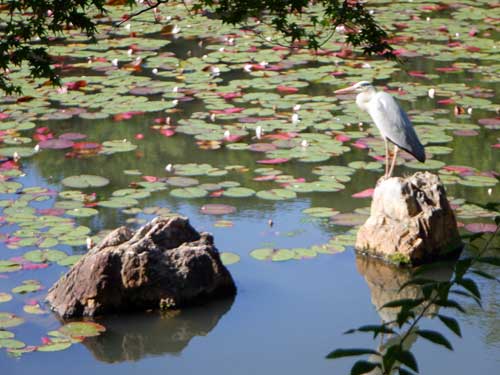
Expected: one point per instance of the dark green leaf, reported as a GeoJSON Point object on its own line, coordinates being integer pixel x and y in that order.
{"type": "Point", "coordinates": [485, 275]}
{"type": "Point", "coordinates": [451, 323]}
{"type": "Point", "coordinates": [468, 295]}
{"type": "Point", "coordinates": [376, 329]}
{"type": "Point", "coordinates": [435, 337]}
{"type": "Point", "coordinates": [340, 353]}
{"type": "Point", "coordinates": [450, 304]}
{"type": "Point", "coordinates": [495, 261]}
{"type": "Point", "coordinates": [417, 281]}
{"type": "Point", "coordinates": [408, 359]}
{"type": "Point", "coordinates": [407, 303]}
{"type": "Point", "coordinates": [362, 367]}
{"type": "Point", "coordinates": [462, 266]}
{"type": "Point", "coordinates": [471, 286]}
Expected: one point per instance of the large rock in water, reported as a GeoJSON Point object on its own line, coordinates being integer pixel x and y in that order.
{"type": "Point", "coordinates": [410, 221]}
{"type": "Point", "coordinates": [166, 263]}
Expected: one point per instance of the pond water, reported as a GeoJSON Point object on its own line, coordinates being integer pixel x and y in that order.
{"type": "Point", "coordinates": [297, 297]}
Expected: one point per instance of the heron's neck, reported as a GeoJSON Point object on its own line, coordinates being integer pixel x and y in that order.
{"type": "Point", "coordinates": [363, 98]}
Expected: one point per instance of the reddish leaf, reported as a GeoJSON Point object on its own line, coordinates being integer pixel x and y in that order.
{"type": "Point", "coordinates": [273, 161]}
{"type": "Point", "coordinates": [364, 194]}
{"type": "Point", "coordinates": [287, 89]}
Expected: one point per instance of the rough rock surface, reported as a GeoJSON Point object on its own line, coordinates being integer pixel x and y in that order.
{"type": "Point", "coordinates": [166, 263]}
{"type": "Point", "coordinates": [410, 221]}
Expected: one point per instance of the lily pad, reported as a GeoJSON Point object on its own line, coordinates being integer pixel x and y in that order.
{"type": "Point", "coordinates": [228, 258]}
{"type": "Point", "coordinates": [217, 209]}
{"type": "Point", "coordinates": [82, 329]}
{"type": "Point", "coordinates": [85, 181]}
{"type": "Point", "coordinates": [8, 320]}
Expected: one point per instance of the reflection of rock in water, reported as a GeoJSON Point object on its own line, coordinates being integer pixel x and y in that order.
{"type": "Point", "coordinates": [132, 337]}
{"type": "Point", "coordinates": [385, 280]}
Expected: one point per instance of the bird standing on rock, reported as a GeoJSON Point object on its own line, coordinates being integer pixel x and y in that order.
{"type": "Point", "coordinates": [390, 119]}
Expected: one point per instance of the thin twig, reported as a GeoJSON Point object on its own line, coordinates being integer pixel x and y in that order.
{"type": "Point", "coordinates": [142, 11]}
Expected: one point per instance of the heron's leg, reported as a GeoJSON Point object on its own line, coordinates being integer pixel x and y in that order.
{"type": "Point", "coordinates": [386, 158]}
{"type": "Point", "coordinates": [396, 149]}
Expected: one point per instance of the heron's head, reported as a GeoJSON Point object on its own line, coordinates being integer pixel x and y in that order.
{"type": "Point", "coordinates": [362, 86]}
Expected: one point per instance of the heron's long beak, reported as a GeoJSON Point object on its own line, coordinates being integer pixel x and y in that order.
{"type": "Point", "coordinates": [345, 90]}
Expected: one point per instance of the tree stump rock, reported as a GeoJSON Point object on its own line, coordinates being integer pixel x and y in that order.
{"type": "Point", "coordinates": [410, 222]}
{"type": "Point", "coordinates": [166, 263]}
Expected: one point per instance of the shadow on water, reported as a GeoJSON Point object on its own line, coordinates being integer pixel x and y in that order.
{"type": "Point", "coordinates": [135, 336]}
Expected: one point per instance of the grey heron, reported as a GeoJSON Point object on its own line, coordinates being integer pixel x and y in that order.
{"type": "Point", "coordinates": [390, 119]}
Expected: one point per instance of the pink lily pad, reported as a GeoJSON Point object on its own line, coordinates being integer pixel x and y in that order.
{"type": "Point", "coordinates": [481, 227]}
{"type": "Point", "coordinates": [217, 209]}
{"type": "Point", "coordinates": [273, 161]}
{"type": "Point", "coordinates": [56, 144]}
{"type": "Point", "coordinates": [72, 136]}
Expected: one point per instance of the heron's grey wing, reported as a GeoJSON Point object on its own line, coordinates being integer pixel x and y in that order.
{"type": "Point", "coordinates": [395, 125]}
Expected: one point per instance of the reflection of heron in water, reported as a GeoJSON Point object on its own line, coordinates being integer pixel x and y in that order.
{"type": "Point", "coordinates": [385, 282]}
{"type": "Point", "coordinates": [134, 336]}
{"type": "Point", "coordinates": [390, 119]}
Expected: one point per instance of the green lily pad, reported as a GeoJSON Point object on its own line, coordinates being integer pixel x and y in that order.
{"type": "Point", "coordinates": [5, 297]}
{"type": "Point", "coordinates": [82, 329]}
{"type": "Point", "coordinates": [189, 192]}
{"type": "Point", "coordinates": [322, 212]}
{"type": "Point", "coordinates": [28, 286]}
{"type": "Point", "coordinates": [54, 346]}
{"type": "Point", "coordinates": [277, 255]}
{"type": "Point", "coordinates": [11, 344]}
{"type": "Point", "coordinates": [34, 309]}
{"type": "Point", "coordinates": [82, 212]}
{"type": "Point", "coordinates": [8, 266]}
{"type": "Point", "coordinates": [70, 260]}
{"type": "Point", "coordinates": [228, 258]}
{"type": "Point", "coordinates": [85, 181]}
{"type": "Point", "coordinates": [238, 192]}
{"type": "Point", "coordinates": [8, 320]}
{"type": "Point", "coordinates": [276, 194]}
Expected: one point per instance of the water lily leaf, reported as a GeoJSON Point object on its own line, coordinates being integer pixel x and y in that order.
{"type": "Point", "coordinates": [56, 144]}
{"type": "Point", "coordinates": [276, 194]}
{"type": "Point", "coordinates": [85, 181]}
{"type": "Point", "coordinates": [82, 212]}
{"type": "Point", "coordinates": [217, 209]}
{"type": "Point", "coordinates": [229, 258]}
{"type": "Point", "coordinates": [8, 320]}
{"type": "Point", "coordinates": [34, 309]}
{"type": "Point", "coordinates": [322, 212]}
{"type": "Point", "coordinates": [238, 192]}
{"type": "Point", "coordinates": [70, 260]}
{"type": "Point", "coordinates": [189, 192]}
{"type": "Point", "coordinates": [5, 297]}
{"type": "Point", "coordinates": [11, 344]}
{"type": "Point", "coordinates": [28, 286]}
{"type": "Point", "coordinates": [82, 329]}
{"type": "Point", "coordinates": [54, 346]}
{"type": "Point", "coordinates": [277, 255]}
{"type": "Point", "coordinates": [8, 266]}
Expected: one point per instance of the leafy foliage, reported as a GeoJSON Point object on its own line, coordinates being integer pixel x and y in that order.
{"type": "Point", "coordinates": [32, 24]}
{"type": "Point", "coordinates": [394, 356]}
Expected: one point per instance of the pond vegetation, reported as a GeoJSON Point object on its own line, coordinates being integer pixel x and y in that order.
{"type": "Point", "coordinates": [194, 117]}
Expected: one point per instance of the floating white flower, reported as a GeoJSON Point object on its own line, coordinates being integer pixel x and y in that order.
{"type": "Point", "coordinates": [258, 132]}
